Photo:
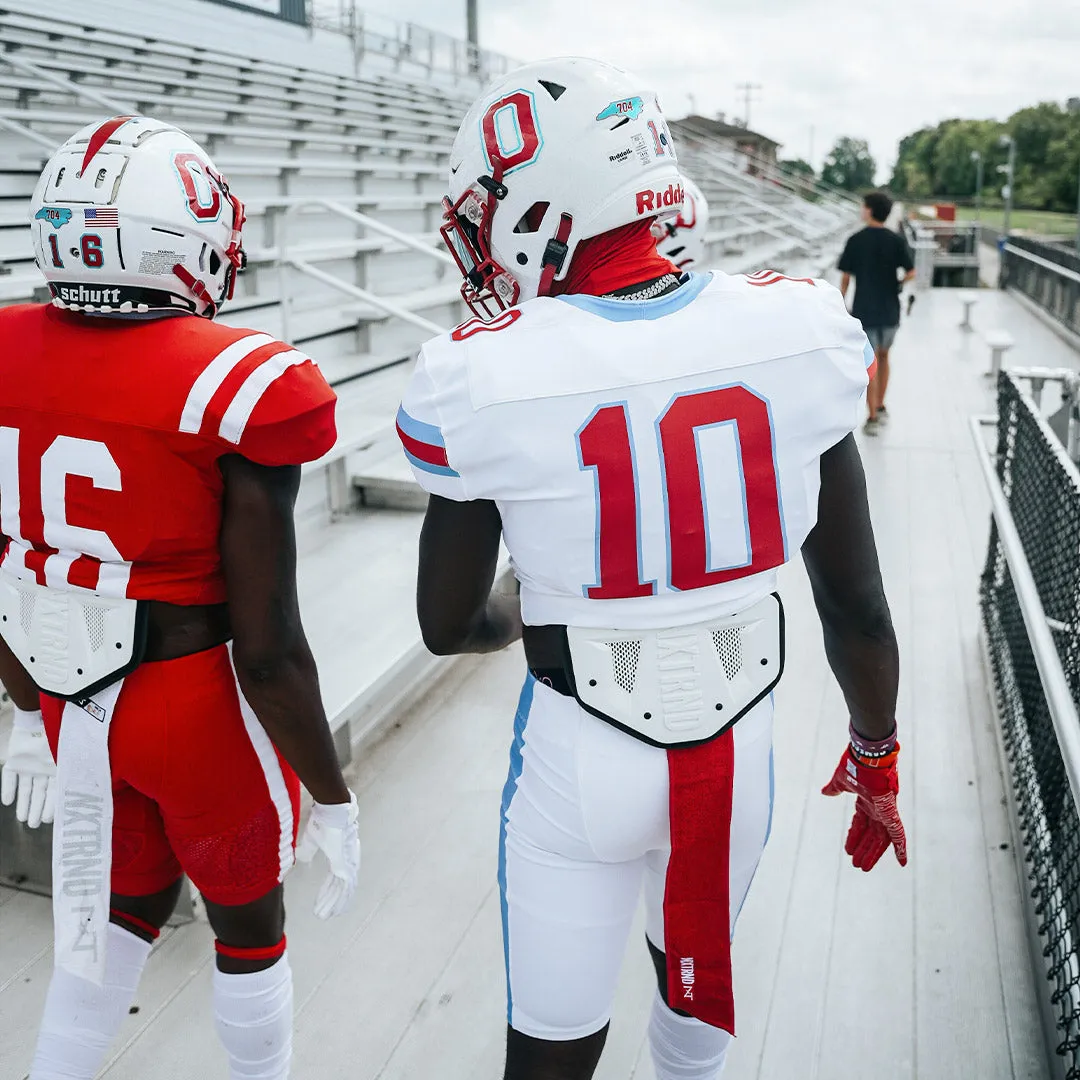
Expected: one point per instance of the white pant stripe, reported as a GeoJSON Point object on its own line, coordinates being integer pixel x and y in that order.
{"type": "Point", "coordinates": [275, 779]}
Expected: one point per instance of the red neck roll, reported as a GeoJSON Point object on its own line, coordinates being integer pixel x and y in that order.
{"type": "Point", "coordinates": [614, 260]}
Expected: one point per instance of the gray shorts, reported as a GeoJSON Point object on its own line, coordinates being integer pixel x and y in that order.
{"type": "Point", "coordinates": [881, 337]}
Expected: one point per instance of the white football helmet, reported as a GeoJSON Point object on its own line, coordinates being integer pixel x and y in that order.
{"type": "Point", "coordinates": [682, 239]}
{"type": "Point", "coordinates": [550, 155]}
{"type": "Point", "coordinates": [130, 216]}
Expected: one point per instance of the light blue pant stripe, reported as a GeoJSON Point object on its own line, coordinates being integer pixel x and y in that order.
{"type": "Point", "coordinates": [521, 718]}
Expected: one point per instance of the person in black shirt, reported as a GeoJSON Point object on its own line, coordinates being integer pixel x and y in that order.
{"type": "Point", "coordinates": [872, 256]}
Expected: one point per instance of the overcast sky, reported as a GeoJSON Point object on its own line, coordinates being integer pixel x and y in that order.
{"type": "Point", "coordinates": [874, 69]}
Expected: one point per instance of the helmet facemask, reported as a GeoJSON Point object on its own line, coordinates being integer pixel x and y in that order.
{"type": "Point", "coordinates": [235, 258]}
{"type": "Point", "coordinates": [486, 287]}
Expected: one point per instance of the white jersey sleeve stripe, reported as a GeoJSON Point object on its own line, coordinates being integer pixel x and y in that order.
{"type": "Point", "coordinates": [213, 375]}
{"type": "Point", "coordinates": [252, 389]}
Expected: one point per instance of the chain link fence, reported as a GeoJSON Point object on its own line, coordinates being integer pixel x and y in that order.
{"type": "Point", "coordinates": [1042, 488]}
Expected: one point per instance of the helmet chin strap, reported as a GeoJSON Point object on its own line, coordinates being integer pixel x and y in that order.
{"type": "Point", "coordinates": [554, 255]}
{"type": "Point", "coordinates": [197, 289]}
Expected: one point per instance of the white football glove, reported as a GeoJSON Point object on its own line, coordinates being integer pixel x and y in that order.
{"type": "Point", "coordinates": [332, 830]}
{"type": "Point", "coordinates": [28, 777]}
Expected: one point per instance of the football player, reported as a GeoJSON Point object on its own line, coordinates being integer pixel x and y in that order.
{"type": "Point", "coordinates": [652, 445]}
{"type": "Point", "coordinates": [149, 463]}
{"type": "Point", "coordinates": [682, 239]}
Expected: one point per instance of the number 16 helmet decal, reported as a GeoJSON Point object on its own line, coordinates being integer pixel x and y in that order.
{"type": "Point", "coordinates": [551, 154]}
{"type": "Point", "coordinates": [130, 216]}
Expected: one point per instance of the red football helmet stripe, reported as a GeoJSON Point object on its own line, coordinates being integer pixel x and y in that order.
{"type": "Point", "coordinates": [102, 136]}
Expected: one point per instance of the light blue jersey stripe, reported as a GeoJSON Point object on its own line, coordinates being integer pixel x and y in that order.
{"type": "Point", "coordinates": [615, 310]}
{"type": "Point", "coordinates": [427, 466]}
{"type": "Point", "coordinates": [417, 429]}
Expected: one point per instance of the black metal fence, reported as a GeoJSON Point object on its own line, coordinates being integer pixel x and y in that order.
{"type": "Point", "coordinates": [1060, 254]}
{"type": "Point", "coordinates": [1047, 274]}
{"type": "Point", "coordinates": [1044, 499]}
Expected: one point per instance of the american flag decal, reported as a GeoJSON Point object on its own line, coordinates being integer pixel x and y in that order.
{"type": "Point", "coordinates": [103, 217]}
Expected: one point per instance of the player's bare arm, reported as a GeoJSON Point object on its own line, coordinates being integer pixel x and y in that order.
{"type": "Point", "coordinates": [841, 560]}
{"type": "Point", "coordinates": [273, 661]}
{"type": "Point", "coordinates": [459, 552]}
{"type": "Point", "coordinates": [845, 283]}
{"type": "Point", "coordinates": [20, 687]}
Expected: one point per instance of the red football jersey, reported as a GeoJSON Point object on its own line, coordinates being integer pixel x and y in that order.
{"type": "Point", "coordinates": [110, 435]}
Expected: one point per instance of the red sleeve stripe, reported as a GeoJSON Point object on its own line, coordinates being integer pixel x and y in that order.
{"type": "Point", "coordinates": [214, 375]}
{"type": "Point", "coordinates": [252, 389]}
{"type": "Point", "coordinates": [433, 455]}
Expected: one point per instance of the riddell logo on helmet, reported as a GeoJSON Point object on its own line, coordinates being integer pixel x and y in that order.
{"type": "Point", "coordinates": [654, 201]}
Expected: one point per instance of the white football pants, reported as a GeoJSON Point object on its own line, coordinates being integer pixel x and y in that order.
{"type": "Point", "coordinates": [584, 824]}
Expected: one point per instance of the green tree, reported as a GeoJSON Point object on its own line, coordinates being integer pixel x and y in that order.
{"type": "Point", "coordinates": [1043, 158]}
{"type": "Point", "coordinates": [849, 165]}
{"type": "Point", "coordinates": [797, 165]}
{"type": "Point", "coordinates": [937, 162]}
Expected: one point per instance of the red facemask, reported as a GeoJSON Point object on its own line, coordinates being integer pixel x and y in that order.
{"type": "Point", "coordinates": [615, 260]}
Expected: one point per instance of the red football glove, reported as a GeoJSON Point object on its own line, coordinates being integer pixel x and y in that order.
{"type": "Point", "coordinates": [877, 823]}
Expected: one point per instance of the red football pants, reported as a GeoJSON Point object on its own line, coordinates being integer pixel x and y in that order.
{"type": "Point", "coordinates": [198, 787]}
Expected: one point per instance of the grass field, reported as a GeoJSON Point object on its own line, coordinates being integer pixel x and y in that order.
{"type": "Point", "coordinates": [1038, 221]}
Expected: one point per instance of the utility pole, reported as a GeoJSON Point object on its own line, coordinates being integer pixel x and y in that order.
{"type": "Point", "coordinates": [747, 90]}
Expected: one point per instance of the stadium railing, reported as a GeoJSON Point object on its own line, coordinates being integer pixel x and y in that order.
{"type": "Point", "coordinates": [1048, 277]}
{"type": "Point", "coordinates": [405, 43]}
{"type": "Point", "coordinates": [1030, 602]}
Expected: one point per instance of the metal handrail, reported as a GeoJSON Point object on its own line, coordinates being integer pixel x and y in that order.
{"type": "Point", "coordinates": [388, 230]}
{"type": "Point", "coordinates": [1059, 699]}
{"type": "Point", "coordinates": [69, 85]}
{"type": "Point", "coordinates": [1046, 264]}
{"type": "Point", "coordinates": [382, 303]}
{"type": "Point", "coordinates": [33, 136]}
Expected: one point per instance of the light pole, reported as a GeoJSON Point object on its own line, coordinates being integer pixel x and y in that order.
{"type": "Point", "coordinates": [1010, 173]}
{"type": "Point", "coordinates": [978, 159]}
{"type": "Point", "coordinates": [1078, 217]}
{"type": "Point", "coordinates": [472, 34]}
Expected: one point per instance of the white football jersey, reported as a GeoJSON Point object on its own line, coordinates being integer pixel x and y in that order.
{"type": "Point", "coordinates": [654, 462]}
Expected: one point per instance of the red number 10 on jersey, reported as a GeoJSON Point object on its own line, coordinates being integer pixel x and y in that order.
{"type": "Point", "coordinates": [605, 444]}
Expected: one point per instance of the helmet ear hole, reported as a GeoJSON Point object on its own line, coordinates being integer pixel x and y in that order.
{"type": "Point", "coordinates": [533, 218]}
{"type": "Point", "coordinates": [215, 262]}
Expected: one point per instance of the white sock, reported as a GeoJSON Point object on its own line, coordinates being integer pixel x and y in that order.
{"type": "Point", "coordinates": [684, 1048]}
{"type": "Point", "coordinates": [81, 1019]}
{"type": "Point", "coordinates": [254, 1018]}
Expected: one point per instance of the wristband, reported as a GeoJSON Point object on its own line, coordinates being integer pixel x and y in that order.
{"type": "Point", "coordinates": [877, 753]}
